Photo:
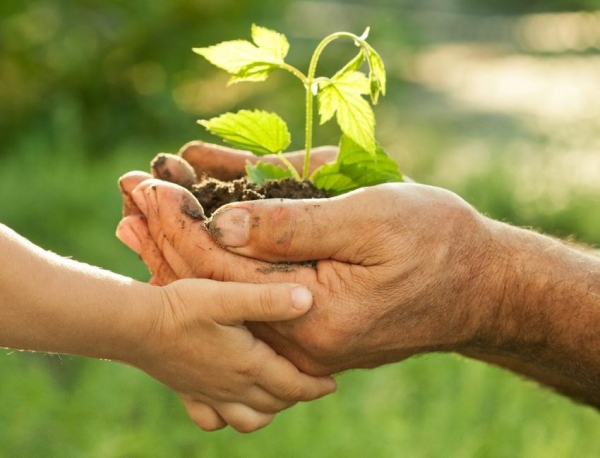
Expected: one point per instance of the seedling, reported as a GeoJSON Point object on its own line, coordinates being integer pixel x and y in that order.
{"type": "Point", "coordinates": [360, 162]}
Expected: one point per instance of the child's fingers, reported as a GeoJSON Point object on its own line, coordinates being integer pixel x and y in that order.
{"type": "Point", "coordinates": [240, 302]}
{"type": "Point", "coordinates": [283, 380]}
{"type": "Point", "coordinates": [242, 418]}
{"type": "Point", "coordinates": [203, 415]}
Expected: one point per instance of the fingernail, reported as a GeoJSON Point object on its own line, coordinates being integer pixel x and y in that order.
{"type": "Point", "coordinates": [231, 227]}
{"type": "Point", "coordinates": [128, 236]}
{"type": "Point", "coordinates": [302, 298]}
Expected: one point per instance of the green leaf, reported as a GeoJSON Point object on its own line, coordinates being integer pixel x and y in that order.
{"type": "Point", "coordinates": [355, 168]}
{"type": "Point", "coordinates": [354, 64]}
{"type": "Point", "coordinates": [377, 76]}
{"type": "Point", "coordinates": [269, 40]}
{"type": "Point", "coordinates": [262, 171]}
{"type": "Point", "coordinates": [342, 95]}
{"type": "Point", "coordinates": [256, 131]}
{"type": "Point", "coordinates": [247, 61]}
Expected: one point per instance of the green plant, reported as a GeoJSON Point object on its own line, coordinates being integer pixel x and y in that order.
{"type": "Point", "coordinates": [361, 161]}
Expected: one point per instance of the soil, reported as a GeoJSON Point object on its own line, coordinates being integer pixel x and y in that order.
{"type": "Point", "coordinates": [213, 193]}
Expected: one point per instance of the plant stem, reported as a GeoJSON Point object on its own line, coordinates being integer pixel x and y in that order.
{"type": "Point", "coordinates": [290, 167]}
{"type": "Point", "coordinates": [294, 71]}
{"type": "Point", "coordinates": [308, 130]}
{"type": "Point", "coordinates": [308, 84]}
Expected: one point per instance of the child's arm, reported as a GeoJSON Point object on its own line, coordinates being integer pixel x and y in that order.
{"type": "Point", "coordinates": [188, 335]}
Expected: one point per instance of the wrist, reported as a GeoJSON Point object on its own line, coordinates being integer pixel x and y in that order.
{"type": "Point", "coordinates": [545, 324]}
{"type": "Point", "coordinates": [495, 287]}
{"type": "Point", "coordinates": [524, 269]}
{"type": "Point", "coordinates": [130, 339]}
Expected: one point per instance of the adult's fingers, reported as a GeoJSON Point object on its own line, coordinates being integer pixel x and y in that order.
{"type": "Point", "coordinates": [300, 230]}
{"type": "Point", "coordinates": [177, 225]}
{"type": "Point", "coordinates": [170, 167]}
{"type": "Point", "coordinates": [217, 161]}
{"type": "Point", "coordinates": [227, 163]}
{"type": "Point", "coordinates": [127, 184]}
{"type": "Point", "coordinates": [133, 232]}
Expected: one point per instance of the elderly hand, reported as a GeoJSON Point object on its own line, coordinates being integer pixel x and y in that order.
{"type": "Point", "coordinates": [390, 281]}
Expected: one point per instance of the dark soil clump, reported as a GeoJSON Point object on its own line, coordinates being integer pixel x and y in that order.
{"type": "Point", "coordinates": [213, 193]}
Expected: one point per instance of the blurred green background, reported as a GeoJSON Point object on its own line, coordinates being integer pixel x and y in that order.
{"type": "Point", "coordinates": [496, 100]}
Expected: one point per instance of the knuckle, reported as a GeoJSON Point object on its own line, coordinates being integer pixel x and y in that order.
{"type": "Point", "coordinates": [295, 391]}
{"type": "Point", "coordinates": [268, 300]}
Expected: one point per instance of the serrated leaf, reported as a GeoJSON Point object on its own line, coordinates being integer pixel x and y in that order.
{"type": "Point", "coordinates": [257, 131]}
{"type": "Point", "coordinates": [355, 168]}
{"type": "Point", "coordinates": [261, 171]}
{"type": "Point", "coordinates": [233, 56]}
{"type": "Point", "coordinates": [342, 95]}
{"type": "Point", "coordinates": [248, 61]}
{"type": "Point", "coordinates": [269, 40]}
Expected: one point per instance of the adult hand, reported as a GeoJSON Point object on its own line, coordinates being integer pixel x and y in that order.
{"type": "Point", "coordinates": [380, 297]}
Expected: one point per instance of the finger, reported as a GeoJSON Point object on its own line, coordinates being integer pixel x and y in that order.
{"type": "Point", "coordinates": [282, 379]}
{"type": "Point", "coordinates": [318, 157]}
{"type": "Point", "coordinates": [126, 234]}
{"type": "Point", "coordinates": [242, 302]}
{"type": "Point", "coordinates": [217, 161]}
{"type": "Point", "coordinates": [175, 169]}
{"type": "Point", "coordinates": [227, 163]}
{"type": "Point", "coordinates": [176, 224]}
{"type": "Point", "coordinates": [303, 359]}
{"type": "Point", "coordinates": [243, 418]}
{"type": "Point", "coordinates": [133, 232]}
{"type": "Point", "coordinates": [203, 415]}
{"type": "Point", "coordinates": [127, 184]}
{"type": "Point", "coordinates": [300, 230]}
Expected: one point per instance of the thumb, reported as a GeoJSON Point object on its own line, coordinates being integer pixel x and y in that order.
{"type": "Point", "coordinates": [279, 230]}
{"type": "Point", "coordinates": [234, 303]}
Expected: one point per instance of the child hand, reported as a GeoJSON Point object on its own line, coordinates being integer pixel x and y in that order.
{"type": "Point", "coordinates": [198, 346]}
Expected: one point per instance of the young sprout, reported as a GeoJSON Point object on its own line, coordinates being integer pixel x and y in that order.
{"type": "Point", "coordinates": [345, 96]}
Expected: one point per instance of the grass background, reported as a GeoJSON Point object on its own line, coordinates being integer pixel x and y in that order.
{"type": "Point", "coordinates": [497, 101]}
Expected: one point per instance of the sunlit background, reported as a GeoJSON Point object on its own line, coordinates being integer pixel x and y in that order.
{"type": "Point", "coordinates": [498, 101]}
